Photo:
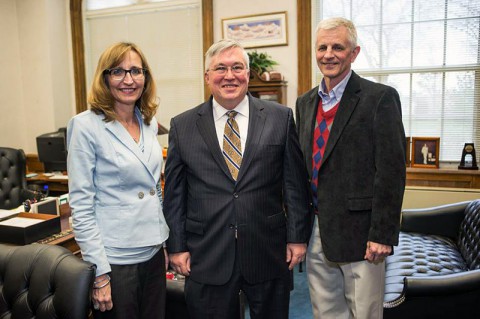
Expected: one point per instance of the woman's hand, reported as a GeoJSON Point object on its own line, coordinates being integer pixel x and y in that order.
{"type": "Point", "coordinates": [102, 294]}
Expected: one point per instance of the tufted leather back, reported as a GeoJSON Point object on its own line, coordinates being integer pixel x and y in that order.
{"type": "Point", "coordinates": [13, 165]}
{"type": "Point", "coordinates": [469, 237]}
{"type": "Point", "coordinates": [43, 281]}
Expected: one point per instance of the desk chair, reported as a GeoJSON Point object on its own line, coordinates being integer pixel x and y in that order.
{"type": "Point", "coordinates": [13, 184]}
{"type": "Point", "coordinates": [44, 281]}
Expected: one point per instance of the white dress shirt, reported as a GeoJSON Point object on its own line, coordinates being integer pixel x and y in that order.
{"type": "Point", "coordinates": [220, 118]}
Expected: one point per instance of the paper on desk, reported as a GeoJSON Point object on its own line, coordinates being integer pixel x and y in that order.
{"type": "Point", "coordinates": [62, 177]}
{"type": "Point", "coordinates": [19, 209]}
{"type": "Point", "coordinates": [5, 213]}
{"type": "Point", "coordinates": [20, 222]}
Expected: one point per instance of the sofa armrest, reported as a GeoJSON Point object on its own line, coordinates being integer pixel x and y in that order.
{"type": "Point", "coordinates": [441, 220]}
{"type": "Point", "coordinates": [445, 285]}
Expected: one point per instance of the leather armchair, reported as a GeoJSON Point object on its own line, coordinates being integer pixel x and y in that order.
{"type": "Point", "coordinates": [43, 281]}
{"type": "Point", "coordinates": [13, 184]}
{"type": "Point", "coordinates": [435, 271]}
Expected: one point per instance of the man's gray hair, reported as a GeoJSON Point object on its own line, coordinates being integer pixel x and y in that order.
{"type": "Point", "coordinates": [221, 46]}
{"type": "Point", "coordinates": [333, 23]}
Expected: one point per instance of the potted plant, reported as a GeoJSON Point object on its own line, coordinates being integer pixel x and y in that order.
{"type": "Point", "coordinates": [260, 62]}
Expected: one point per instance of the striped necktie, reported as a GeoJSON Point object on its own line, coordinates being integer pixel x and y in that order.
{"type": "Point", "coordinates": [232, 147]}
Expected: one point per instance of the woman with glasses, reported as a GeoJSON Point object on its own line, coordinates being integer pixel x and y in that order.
{"type": "Point", "coordinates": [114, 165]}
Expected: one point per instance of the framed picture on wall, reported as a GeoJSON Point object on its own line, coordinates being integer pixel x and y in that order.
{"type": "Point", "coordinates": [255, 31]}
{"type": "Point", "coordinates": [425, 152]}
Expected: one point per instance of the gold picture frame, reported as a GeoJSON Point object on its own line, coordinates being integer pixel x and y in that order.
{"type": "Point", "coordinates": [425, 152]}
{"type": "Point", "coordinates": [256, 31]}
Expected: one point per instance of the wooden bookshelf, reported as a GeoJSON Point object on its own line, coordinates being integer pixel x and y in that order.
{"type": "Point", "coordinates": [273, 90]}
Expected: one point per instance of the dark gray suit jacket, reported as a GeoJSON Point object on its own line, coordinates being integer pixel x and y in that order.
{"type": "Point", "coordinates": [362, 177]}
{"type": "Point", "coordinates": [269, 203]}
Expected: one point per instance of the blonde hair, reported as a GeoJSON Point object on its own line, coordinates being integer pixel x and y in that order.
{"type": "Point", "coordinates": [101, 99]}
{"type": "Point", "coordinates": [333, 23]}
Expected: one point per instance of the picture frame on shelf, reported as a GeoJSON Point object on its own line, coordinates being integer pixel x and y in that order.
{"type": "Point", "coordinates": [425, 152]}
{"type": "Point", "coordinates": [256, 31]}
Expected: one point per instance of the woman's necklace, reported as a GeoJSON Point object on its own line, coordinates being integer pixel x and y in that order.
{"type": "Point", "coordinates": [133, 128]}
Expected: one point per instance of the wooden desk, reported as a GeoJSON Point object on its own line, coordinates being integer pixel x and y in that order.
{"type": "Point", "coordinates": [54, 185]}
{"type": "Point", "coordinates": [65, 238]}
{"type": "Point", "coordinates": [443, 177]}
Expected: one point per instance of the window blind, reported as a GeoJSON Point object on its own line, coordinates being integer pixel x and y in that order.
{"type": "Point", "coordinates": [428, 51]}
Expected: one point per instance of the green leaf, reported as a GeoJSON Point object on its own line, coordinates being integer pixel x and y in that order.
{"type": "Point", "coordinates": [260, 62]}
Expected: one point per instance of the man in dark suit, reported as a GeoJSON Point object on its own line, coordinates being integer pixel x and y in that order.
{"type": "Point", "coordinates": [352, 136]}
{"type": "Point", "coordinates": [236, 195]}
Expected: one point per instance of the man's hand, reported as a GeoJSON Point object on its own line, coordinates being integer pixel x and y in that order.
{"type": "Point", "coordinates": [376, 252]}
{"type": "Point", "coordinates": [180, 262]}
{"type": "Point", "coordinates": [295, 254]}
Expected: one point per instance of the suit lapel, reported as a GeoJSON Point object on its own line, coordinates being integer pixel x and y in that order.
{"type": "Point", "coordinates": [206, 127]}
{"type": "Point", "coordinates": [310, 115]}
{"type": "Point", "coordinates": [148, 139]}
{"type": "Point", "coordinates": [120, 133]}
{"type": "Point", "coordinates": [256, 122]}
{"type": "Point", "coordinates": [347, 105]}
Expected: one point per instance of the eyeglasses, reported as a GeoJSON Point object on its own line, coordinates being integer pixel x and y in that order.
{"type": "Point", "coordinates": [222, 70]}
{"type": "Point", "coordinates": [119, 74]}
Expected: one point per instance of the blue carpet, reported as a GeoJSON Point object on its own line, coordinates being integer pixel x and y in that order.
{"type": "Point", "coordinates": [300, 306]}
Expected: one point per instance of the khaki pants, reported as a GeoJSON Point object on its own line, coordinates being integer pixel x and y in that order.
{"type": "Point", "coordinates": [343, 290]}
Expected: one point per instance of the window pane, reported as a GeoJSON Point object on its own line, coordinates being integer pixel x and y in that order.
{"type": "Point", "coordinates": [426, 103]}
{"type": "Point", "coordinates": [397, 53]}
{"type": "Point", "coordinates": [462, 35]}
{"type": "Point", "coordinates": [428, 43]}
{"type": "Point", "coordinates": [368, 40]}
{"type": "Point", "coordinates": [397, 11]}
{"type": "Point", "coordinates": [338, 8]}
{"type": "Point", "coordinates": [401, 82]}
{"type": "Point", "coordinates": [459, 113]}
{"type": "Point", "coordinates": [463, 8]}
{"type": "Point", "coordinates": [103, 4]}
{"type": "Point", "coordinates": [360, 16]}
{"type": "Point", "coordinates": [429, 10]}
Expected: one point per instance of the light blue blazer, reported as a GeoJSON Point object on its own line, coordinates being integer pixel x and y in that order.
{"type": "Point", "coordinates": [113, 187]}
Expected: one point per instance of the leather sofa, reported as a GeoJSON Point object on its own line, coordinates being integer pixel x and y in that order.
{"type": "Point", "coordinates": [43, 281]}
{"type": "Point", "coordinates": [13, 165]}
{"type": "Point", "coordinates": [435, 270]}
